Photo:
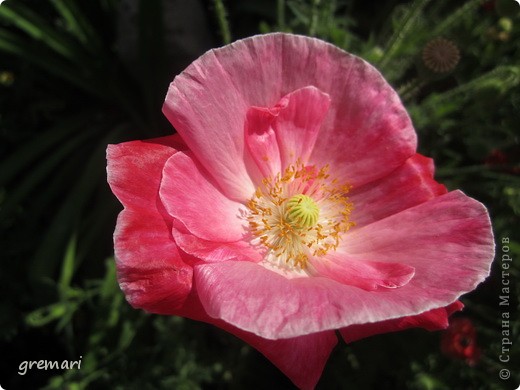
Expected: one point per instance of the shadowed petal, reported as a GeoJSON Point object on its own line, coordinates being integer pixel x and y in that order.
{"type": "Point", "coordinates": [409, 185]}
{"type": "Point", "coordinates": [448, 238]}
{"type": "Point", "coordinates": [368, 275]}
{"type": "Point", "coordinates": [435, 319]}
{"type": "Point", "coordinates": [150, 270]}
{"type": "Point", "coordinates": [281, 135]}
{"type": "Point", "coordinates": [261, 140]}
{"type": "Point", "coordinates": [134, 169]}
{"type": "Point", "coordinates": [301, 359]}
{"type": "Point", "coordinates": [299, 122]}
{"type": "Point", "coordinates": [212, 251]}
{"type": "Point", "coordinates": [190, 195]}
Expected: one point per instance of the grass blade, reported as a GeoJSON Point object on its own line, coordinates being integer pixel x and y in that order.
{"type": "Point", "coordinates": [452, 19]}
{"type": "Point", "coordinates": [77, 24]}
{"type": "Point", "coordinates": [67, 267]}
{"type": "Point", "coordinates": [409, 20]}
{"type": "Point", "coordinates": [223, 22]}
{"type": "Point", "coordinates": [24, 18]}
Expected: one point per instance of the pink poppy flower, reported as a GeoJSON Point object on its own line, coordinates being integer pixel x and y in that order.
{"type": "Point", "coordinates": [292, 203]}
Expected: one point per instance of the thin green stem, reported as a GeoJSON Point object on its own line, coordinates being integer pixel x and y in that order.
{"type": "Point", "coordinates": [451, 20]}
{"type": "Point", "coordinates": [507, 75]}
{"type": "Point", "coordinates": [313, 25]}
{"type": "Point", "coordinates": [280, 14]}
{"type": "Point", "coordinates": [223, 23]}
{"type": "Point", "coordinates": [410, 19]}
{"type": "Point", "coordinates": [409, 90]}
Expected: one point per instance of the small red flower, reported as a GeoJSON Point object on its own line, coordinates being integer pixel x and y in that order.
{"type": "Point", "coordinates": [496, 157]}
{"type": "Point", "coordinates": [459, 341]}
{"type": "Point", "coordinates": [503, 161]}
{"type": "Point", "coordinates": [489, 6]}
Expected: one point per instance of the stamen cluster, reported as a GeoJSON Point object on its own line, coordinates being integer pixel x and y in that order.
{"type": "Point", "coordinates": [298, 214]}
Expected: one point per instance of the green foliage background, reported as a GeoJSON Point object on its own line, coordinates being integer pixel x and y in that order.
{"type": "Point", "coordinates": [67, 89]}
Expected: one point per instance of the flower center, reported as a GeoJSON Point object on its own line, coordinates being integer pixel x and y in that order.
{"type": "Point", "coordinates": [298, 214]}
{"type": "Point", "coordinates": [302, 211]}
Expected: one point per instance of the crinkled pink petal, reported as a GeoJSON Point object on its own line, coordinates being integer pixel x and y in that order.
{"type": "Point", "coordinates": [301, 359]}
{"type": "Point", "coordinates": [260, 301]}
{"type": "Point", "coordinates": [276, 137]}
{"type": "Point", "coordinates": [366, 133]}
{"type": "Point", "coordinates": [365, 274]}
{"type": "Point", "coordinates": [369, 133]}
{"type": "Point", "coordinates": [150, 271]}
{"type": "Point", "coordinates": [409, 185]}
{"type": "Point", "coordinates": [299, 122]}
{"type": "Point", "coordinates": [261, 140]}
{"type": "Point", "coordinates": [208, 111]}
{"type": "Point", "coordinates": [134, 169]}
{"type": "Point", "coordinates": [212, 251]}
{"type": "Point", "coordinates": [190, 195]}
{"type": "Point", "coordinates": [451, 254]}
{"type": "Point", "coordinates": [448, 237]}
{"type": "Point", "coordinates": [435, 319]}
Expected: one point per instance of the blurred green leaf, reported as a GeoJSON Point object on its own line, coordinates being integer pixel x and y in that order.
{"type": "Point", "coordinates": [455, 17]}
{"type": "Point", "coordinates": [405, 29]}
{"type": "Point", "coordinates": [127, 335]}
{"type": "Point", "coordinates": [78, 24]}
{"type": "Point", "coordinates": [67, 267]}
{"type": "Point", "coordinates": [223, 22]}
{"type": "Point", "coordinates": [23, 17]}
{"type": "Point", "coordinates": [502, 78]}
{"type": "Point", "coordinates": [109, 285]}
{"type": "Point", "coordinates": [47, 314]}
